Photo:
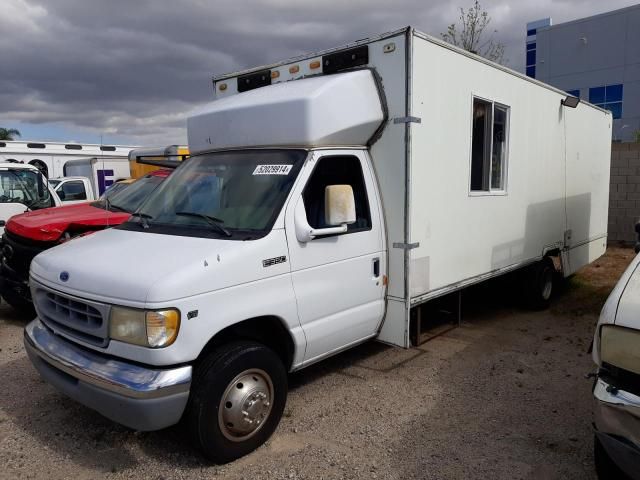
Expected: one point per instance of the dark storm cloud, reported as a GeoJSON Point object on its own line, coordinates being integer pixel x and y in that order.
{"type": "Point", "coordinates": [136, 68]}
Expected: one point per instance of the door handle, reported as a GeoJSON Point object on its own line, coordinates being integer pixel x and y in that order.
{"type": "Point", "coordinates": [376, 267]}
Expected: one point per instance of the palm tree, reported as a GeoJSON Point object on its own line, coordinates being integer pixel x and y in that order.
{"type": "Point", "coordinates": [9, 133]}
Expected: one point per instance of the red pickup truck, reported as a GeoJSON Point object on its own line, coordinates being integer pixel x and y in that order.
{"type": "Point", "coordinates": [28, 234]}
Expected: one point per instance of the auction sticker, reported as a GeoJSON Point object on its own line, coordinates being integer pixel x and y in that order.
{"type": "Point", "coordinates": [272, 170]}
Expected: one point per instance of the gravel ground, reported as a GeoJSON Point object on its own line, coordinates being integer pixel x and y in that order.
{"type": "Point", "coordinates": [501, 397]}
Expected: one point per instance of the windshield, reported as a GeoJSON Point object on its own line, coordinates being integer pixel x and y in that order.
{"type": "Point", "coordinates": [24, 186]}
{"type": "Point", "coordinates": [130, 198]}
{"type": "Point", "coordinates": [113, 189]}
{"type": "Point", "coordinates": [229, 194]}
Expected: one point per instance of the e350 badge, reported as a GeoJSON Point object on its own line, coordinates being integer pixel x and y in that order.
{"type": "Point", "coordinates": [273, 261]}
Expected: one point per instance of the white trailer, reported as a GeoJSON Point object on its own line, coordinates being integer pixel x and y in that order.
{"type": "Point", "coordinates": [325, 198]}
{"type": "Point", "coordinates": [50, 157]}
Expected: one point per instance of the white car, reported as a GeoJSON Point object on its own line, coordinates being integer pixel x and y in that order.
{"type": "Point", "coordinates": [616, 352]}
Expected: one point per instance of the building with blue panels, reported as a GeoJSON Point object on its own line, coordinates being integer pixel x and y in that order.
{"type": "Point", "coordinates": [595, 58]}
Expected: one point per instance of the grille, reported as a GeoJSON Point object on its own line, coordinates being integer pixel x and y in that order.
{"type": "Point", "coordinates": [72, 316]}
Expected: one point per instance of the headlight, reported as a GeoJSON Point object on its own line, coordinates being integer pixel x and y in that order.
{"type": "Point", "coordinates": [149, 328]}
{"type": "Point", "coordinates": [620, 347]}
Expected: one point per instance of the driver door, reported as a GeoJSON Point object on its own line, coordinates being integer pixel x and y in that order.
{"type": "Point", "coordinates": [337, 279]}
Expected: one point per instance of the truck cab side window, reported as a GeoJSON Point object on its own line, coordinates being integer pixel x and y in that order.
{"type": "Point", "coordinates": [74, 191]}
{"type": "Point", "coordinates": [488, 146]}
{"type": "Point", "coordinates": [337, 170]}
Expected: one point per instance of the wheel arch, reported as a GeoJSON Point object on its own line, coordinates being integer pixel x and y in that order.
{"type": "Point", "coordinates": [269, 330]}
{"type": "Point", "coordinates": [555, 255]}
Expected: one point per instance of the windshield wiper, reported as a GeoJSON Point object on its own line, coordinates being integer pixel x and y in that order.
{"type": "Point", "coordinates": [116, 207]}
{"type": "Point", "coordinates": [143, 218]}
{"type": "Point", "coordinates": [213, 221]}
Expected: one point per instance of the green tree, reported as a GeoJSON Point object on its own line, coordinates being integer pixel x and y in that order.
{"type": "Point", "coordinates": [9, 133]}
{"type": "Point", "coordinates": [469, 34]}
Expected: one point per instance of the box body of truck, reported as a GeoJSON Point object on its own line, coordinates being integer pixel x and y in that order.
{"type": "Point", "coordinates": [325, 197]}
{"type": "Point", "coordinates": [481, 170]}
{"type": "Point", "coordinates": [102, 172]}
{"type": "Point", "coordinates": [50, 157]}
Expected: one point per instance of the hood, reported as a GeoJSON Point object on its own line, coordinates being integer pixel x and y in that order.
{"type": "Point", "coordinates": [50, 223]}
{"type": "Point", "coordinates": [628, 314]}
{"type": "Point", "coordinates": [137, 268]}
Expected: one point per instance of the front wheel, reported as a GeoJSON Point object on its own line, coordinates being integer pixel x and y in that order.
{"type": "Point", "coordinates": [606, 469]}
{"type": "Point", "coordinates": [239, 395]}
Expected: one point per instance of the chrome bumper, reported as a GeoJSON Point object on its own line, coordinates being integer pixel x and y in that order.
{"type": "Point", "coordinates": [617, 422]}
{"type": "Point", "coordinates": [140, 397]}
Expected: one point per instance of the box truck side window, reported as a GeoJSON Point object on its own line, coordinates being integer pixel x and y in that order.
{"type": "Point", "coordinates": [337, 170]}
{"type": "Point", "coordinates": [489, 146]}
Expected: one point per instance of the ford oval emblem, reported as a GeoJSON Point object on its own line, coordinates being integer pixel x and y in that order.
{"type": "Point", "coordinates": [64, 276]}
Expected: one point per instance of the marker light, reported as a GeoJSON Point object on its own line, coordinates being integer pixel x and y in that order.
{"type": "Point", "coordinates": [223, 87]}
{"type": "Point", "coordinates": [314, 64]}
{"type": "Point", "coordinates": [294, 69]}
{"type": "Point", "coordinates": [275, 74]}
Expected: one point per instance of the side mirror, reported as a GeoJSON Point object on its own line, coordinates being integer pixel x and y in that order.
{"type": "Point", "coordinates": [339, 211]}
{"type": "Point", "coordinates": [339, 205]}
{"type": "Point", "coordinates": [61, 194]}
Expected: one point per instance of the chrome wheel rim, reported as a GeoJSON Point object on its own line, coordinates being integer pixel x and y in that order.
{"type": "Point", "coordinates": [245, 405]}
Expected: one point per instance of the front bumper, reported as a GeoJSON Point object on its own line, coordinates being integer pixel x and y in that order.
{"type": "Point", "coordinates": [617, 422]}
{"type": "Point", "coordinates": [138, 397]}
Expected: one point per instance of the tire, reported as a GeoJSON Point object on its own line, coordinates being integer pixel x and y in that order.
{"type": "Point", "coordinates": [538, 284]}
{"type": "Point", "coordinates": [606, 469]}
{"type": "Point", "coordinates": [237, 402]}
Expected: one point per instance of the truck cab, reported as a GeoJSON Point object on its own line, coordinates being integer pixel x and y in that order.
{"type": "Point", "coordinates": [73, 190]}
{"type": "Point", "coordinates": [264, 235]}
{"type": "Point", "coordinates": [23, 188]}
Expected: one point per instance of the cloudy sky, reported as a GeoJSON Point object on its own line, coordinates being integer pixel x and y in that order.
{"type": "Point", "coordinates": [129, 71]}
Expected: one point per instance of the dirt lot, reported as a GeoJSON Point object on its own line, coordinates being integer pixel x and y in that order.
{"type": "Point", "coordinates": [501, 397]}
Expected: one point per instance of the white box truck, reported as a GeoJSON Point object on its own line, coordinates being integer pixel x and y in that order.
{"type": "Point", "coordinates": [326, 198]}
{"type": "Point", "coordinates": [86, 179]}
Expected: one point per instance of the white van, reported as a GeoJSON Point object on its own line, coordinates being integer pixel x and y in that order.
{"type": "Point", "coordinates": [616, 352]}
{"type": "Point", "coordinates": [325, 199]}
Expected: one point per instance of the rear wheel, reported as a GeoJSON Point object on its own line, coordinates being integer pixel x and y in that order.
{"type": "Point", "coordinates": [538, 283]}
{"type": "Point", "coordinates": [239, 395]}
